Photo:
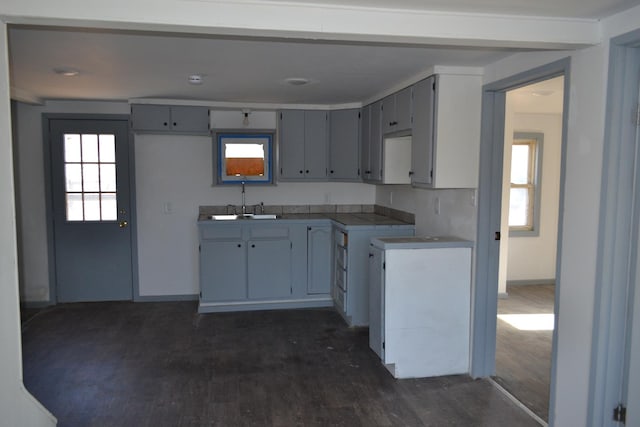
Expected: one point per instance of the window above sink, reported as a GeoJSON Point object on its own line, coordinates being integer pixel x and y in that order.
{"type": "Point", "coordinates": [243, 157]}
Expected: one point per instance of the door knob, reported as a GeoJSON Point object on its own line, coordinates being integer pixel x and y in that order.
{"type": "Point", "coordinates": [123, 224]}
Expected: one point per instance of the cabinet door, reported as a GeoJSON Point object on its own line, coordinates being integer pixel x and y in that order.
{"type": "Point", "coordinates": [403, 109]}
{"type": "Point", "coordinates": [376, 301]}
{"type": "Point", "coordinates": [344, 147]}
{"type": "Point", "coordinates": [269, 268]}
{"type": "Point", "coordinates": [190, 119]}
{"type": "Point", "coordinates": [388, 120]}
{"type": "Point", "coordinates": [315, 144]}
{"type": "Point", "coordinates": [375, 154]}
{"type": "Point", "coordinates": [365, 141]}
{"type": "Point", "coordinates": [422, 134]}
{"type": "Point", "coordinates": [291, 139]}
{"type": "Point", "coordinates": [223, 270]}
{"type": "Point", "coordinates": [319, 260]}
{"type": "Point", "coordinates": [150, 117]}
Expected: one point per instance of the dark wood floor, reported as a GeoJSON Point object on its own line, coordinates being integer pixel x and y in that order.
{"type": "Point", "coordinates": [523, 358]}
{"type": "Point", "coordinates": [161, 364]}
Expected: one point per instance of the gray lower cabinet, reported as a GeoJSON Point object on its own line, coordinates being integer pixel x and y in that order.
{"type": "Point", "coordinates": [171, 119]}
{"type": "Point", "coordinates": [319, 259]}
{"type": "Point", "coordinates": [269, 268]}
{"type": "Point", "coordinates": [263, 264]}
{"type": "Point", "coordinates": [351, 282]}
{"type": "Point", "coordinates": [223, 271]}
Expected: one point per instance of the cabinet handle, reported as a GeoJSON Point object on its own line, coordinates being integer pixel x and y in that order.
{"type": "Point", "coordinates": [253, 246]}
{"type": "Point", "coordinates": [239, 245]}
{"type": "Point", "coordinates": [301, 171]}
{"type": "Point", "coordinates": [393, 123]}
{"type": "Point", "coordinates": [370, 255]}
{"type": "Point", "coordinates": [367, 172]}
{"type": "Point", "coordinates": [410, 173]}
{"type": "Point", "coordinates": [165, 123]}
{"type": "Point", "coordinates": [307, 171]}
{"type": "Point", "coordinates": [331, 171]}
{"type": "Point", "coordinates": [175, 124]}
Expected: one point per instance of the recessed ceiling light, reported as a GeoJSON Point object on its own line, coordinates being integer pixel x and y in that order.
{"type": "Point", "coordinates": [297, 81]}
{"type": "Point", "coordinates": [195, 79]}
{"type": "Point", "coordinates": [66, 71]}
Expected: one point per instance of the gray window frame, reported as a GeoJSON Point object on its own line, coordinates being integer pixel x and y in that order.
{"type": "Point", "coordinates": [538, 137]}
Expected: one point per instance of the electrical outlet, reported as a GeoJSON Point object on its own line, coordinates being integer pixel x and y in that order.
{"type": "Point", "coordinates": [474, 198]}
{"type": "Point", "coordinates": [167, 208]}
{"type": "Point", "coordinates": [391, 197]}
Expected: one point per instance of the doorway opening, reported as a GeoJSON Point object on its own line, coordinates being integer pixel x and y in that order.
{"type": "Point", "coordinates": [529, 230]}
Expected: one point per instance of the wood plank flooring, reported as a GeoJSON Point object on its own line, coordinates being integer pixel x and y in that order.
{"type": "Point", "coordinates": [523, 358]}
{"type": "Point", "coordinates": [162, 364]}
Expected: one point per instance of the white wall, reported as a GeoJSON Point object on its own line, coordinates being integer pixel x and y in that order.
{"type": "Point", "coordinates": [533, 258]}
{"type": "Point", "coordinates": [586, 118]}
{"type": "Point", "coordinates": [457, 215]}
{"type": "Point", "coordinates": [177, 170]}
{"type": "Point", "coordinates": [17, 406]}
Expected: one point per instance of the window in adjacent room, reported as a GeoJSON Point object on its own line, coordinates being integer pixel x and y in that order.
{"type": "Point", "coordinates": [243, 157]}
{"type": "Point", "coordinates": [524, 198]}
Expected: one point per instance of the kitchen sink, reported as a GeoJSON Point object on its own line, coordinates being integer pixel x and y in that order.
{"type": "Point", "coordinates": [234, 217]}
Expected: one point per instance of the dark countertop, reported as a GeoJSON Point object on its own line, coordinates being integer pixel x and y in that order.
{"type": "Point", "coordinates": [346, 219]}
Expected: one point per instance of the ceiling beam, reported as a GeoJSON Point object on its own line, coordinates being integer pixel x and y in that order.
{"type": "Point", "coordinates": [310, 22]}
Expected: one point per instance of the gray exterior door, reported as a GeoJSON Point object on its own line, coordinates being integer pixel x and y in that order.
{"type": "Point", "coordinates": [91, 209]}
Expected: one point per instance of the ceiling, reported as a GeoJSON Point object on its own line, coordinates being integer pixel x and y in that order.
{"type": "Point", "coordinates": [124, 65]}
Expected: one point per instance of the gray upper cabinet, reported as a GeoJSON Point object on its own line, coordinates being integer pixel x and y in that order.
{"type": "Point", "coordinates": [396, 111]}
{"type": "Point", "coordinates": [375, 144]}
{"type": "Point", "coordinates": [303, 145]}
{"type": "Point", "coordinates": [344, 145]}
{"type": "Point", "coordinates": [422, 133]}
{"type": "Point", "coordinates": [371, 143]}
{"type": "Point", "coordinates": [174, 119]}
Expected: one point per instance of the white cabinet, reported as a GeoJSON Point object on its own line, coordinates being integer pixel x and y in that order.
{"type": "Point", "coordinates": [420, 305]}
{"type": "Point", "coordinates": [396, 168]}
{"type": "Point", "coordinates": [446, 131]}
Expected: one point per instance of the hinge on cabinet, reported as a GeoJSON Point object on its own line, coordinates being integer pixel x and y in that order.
{"type": "Point", "coordinates": [359, 114]}
{"type": "Point", "coordinates": [280, 116]}
{"type": "Point", "coordinates": [199, 248]}
{"type": "Point", "coordinates": [383, 345]}
{"type": "Point", "coordinates": [290, 245]}
{"type": "Point", "coordinates": [434, 85]}
{"type": "Point", "coordinates": [384, 265]}
{"type": "Point", "coordinates": [620, 414]}
{"type": "Point", "coordinates": [358, 171]}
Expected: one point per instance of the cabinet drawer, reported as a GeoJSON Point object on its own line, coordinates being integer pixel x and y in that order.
{"type": "Point", "coordinates": [341, 255]}
{"type": "Point", "coordinates": [268, 232]}
{"type": "Point", "coordinates": [226, 232]}
{"type": "Point", "coordinates": [341, 278]}
{"type": "Point", "coordinates": [341, 300]}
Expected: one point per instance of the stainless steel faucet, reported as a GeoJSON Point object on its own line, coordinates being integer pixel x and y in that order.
{"type": "Point", "coordinates": [244, 205]}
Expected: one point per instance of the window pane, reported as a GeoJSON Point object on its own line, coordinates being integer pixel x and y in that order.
{"type": "Point", "coordinates": [109, 207]}
{"type": "Point", "coordinates": [244, 159]}
{"type": "Point", "coordinates": [520, 164]}
{"type": "Point", "coordinates": [74, 207]}
{"type": "Point", "coordinates": [107, 148]}
{"type": "Point", "coordinates": [72, 148]}
{"type": "Point", "coordinates": [519, 207]}
{"type": "Point", "coordinates": [73, 176]}
{"type": "Point", "coordinates": [91, 177]}
{"type": "Point", "coordinates": [90, 148]}
{"type": "Point", "coordinates": [108, 177]}
{"type": "Point", "coordinates": [91, 207]}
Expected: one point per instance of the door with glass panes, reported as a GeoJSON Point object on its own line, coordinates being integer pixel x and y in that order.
{"type": "Point", "coordinates": [91, 209]}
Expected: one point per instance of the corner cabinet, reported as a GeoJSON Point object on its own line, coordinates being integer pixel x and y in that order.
{"type": "Point", "coordinates": [371, 150]}
{"type": "Point", "coordinates": [170, 119]}
{"type": "Point", "coordinates": [303, 145]}
{"type": "Point", "coordinates": [260, 265]}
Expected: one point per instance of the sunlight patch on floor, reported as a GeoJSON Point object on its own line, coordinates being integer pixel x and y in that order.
{"type": "Point", "coordinates": [529, 322]}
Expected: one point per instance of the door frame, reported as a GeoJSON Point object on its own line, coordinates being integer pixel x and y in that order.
{"type": "Point", "coordinates": [485, 299]}
{"type": "Point", "coordinates": [616, 270]}
{"type": "Point", "coordinates": [48, 185]}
